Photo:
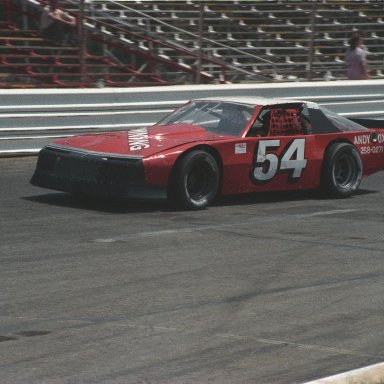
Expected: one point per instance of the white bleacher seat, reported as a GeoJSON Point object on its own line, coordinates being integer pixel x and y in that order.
{"type": "Point", "coordinates": [105, 30]}
{"type": "Point", "coordinates": [122, 37]}
{"type": "Point", "coordinates": [181, 62]}
{"type": "Point", "coordinates": [229, 36]}
{"type": "Point", "coordinates": [143, 46]}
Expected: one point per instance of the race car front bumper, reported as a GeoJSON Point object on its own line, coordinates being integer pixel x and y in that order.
{"type": "Point", "coordinates": [85, 172]}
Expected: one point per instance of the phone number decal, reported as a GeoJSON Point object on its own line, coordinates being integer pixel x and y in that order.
{"type": "Point", "coordinates": [372, 150]}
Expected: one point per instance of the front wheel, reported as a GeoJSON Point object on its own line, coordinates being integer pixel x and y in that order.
{"type": "Point", "coordinates": [342, 170]}
{"type": "Point", "coordinates": [194, 181]}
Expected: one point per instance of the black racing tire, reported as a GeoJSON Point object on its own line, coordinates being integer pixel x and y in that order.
{"type": "Point", "coordinates": [194, 181]}
{"type": "Point", "coordinates": [342, 170]}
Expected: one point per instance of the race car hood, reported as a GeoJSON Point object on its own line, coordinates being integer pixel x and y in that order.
{"type": "Point", "coordinates": [141, 142]}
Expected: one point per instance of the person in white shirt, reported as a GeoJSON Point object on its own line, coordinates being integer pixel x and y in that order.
{"type": "Point", "coordinates": [57, 24]}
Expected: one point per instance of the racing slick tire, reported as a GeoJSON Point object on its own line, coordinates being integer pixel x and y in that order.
{"type": "Point", "coordinates": [342, 171]}
{"type": "Point", "coordinates": [195, 181]}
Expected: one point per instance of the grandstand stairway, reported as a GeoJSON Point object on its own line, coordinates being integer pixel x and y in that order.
{"type": "Point", "coordinates": [28, 60]}
{"type": "Point", "coordinates": [266, 38]}
{"type": "Point", "coordinates": [135, 42]}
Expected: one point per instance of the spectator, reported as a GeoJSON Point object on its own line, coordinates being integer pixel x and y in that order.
{"type": "Point", "coordinates": [57, 24]}
{"type": "Point", "coordinates": [355, 58]}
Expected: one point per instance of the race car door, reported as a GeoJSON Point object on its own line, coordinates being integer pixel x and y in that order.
{"type": "Point", "coordinates": [277, 153]}
{"type": "Point", "coordinates": [284, 155]}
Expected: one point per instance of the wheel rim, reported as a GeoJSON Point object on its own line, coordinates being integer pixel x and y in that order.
{"type": "Point", "coordinates": [345, 171]}
{"type": "Point", "coordinates": [198, 180]}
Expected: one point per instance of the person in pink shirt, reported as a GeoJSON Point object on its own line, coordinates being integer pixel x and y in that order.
{"type": "Point", "coordinates": [355, 58]}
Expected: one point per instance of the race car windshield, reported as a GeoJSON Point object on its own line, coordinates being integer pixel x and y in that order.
{"type": "Point", "coordinates": [214, 116]}
{"type": "Point", "coordinates": [342, 123]}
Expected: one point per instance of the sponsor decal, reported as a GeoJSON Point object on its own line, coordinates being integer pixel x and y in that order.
{"type": "Point", "coordinates": [367, 143]}
{"type": "Point", "coordinates": [240, 148]}
{"type": "Point", "coordinates": [366, 139]}
{"type": "Point", "coordinates": [362, 139]}
{"type": "Point", "coordinates": [138, 139]}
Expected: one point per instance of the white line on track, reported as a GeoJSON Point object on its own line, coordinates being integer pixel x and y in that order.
{"type": "Point", "coordinates": [168, 232]}
{"type": "Point", "coordinates": [175, 328]}
{"type": "Point", "coordinates": [324, 213]}
{"type": "Point", "coordinates": [298, 345]}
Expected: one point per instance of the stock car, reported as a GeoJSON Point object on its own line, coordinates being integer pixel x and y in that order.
{"type": "Point", "coordinates": [219, 146]}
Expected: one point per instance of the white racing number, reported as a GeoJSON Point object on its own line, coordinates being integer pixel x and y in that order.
{"type": "Point", "coordinates": [291, 160]}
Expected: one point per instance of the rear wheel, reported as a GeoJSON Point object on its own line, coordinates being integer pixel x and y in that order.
{"type": "Point", "coordinates": [195, 180]}
{"type": "Point", "coordinates": [342, 171]}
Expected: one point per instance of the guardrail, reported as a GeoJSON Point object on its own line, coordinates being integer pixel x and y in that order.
{"type": "Point", "coordinates": [31, 118]}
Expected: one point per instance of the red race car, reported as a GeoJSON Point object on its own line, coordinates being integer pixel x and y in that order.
{"type": "Point", "coordinates": [227, 146]}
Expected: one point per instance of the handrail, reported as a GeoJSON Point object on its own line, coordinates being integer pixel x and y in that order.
{"type": "Point", "coordinates": [216, 43]}
{"type": "Point", "coordinates": [143, 35]}
{"type": "Point", "coordinates": [162, 43]}
{"type": "Point", "coordinates": [178, 47]}
{"type": "Point", "coordinates": [87, 79]}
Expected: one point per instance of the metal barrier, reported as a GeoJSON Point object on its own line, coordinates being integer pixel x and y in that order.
{"type": "Point", "coordinates": [31, 118]}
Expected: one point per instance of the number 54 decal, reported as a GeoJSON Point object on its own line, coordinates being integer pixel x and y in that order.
{"type": "Point", "coordinates": [291, 160]}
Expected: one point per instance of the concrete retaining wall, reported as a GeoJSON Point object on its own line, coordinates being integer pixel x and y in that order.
{"type": "Point", "coordinates": [31, 118]}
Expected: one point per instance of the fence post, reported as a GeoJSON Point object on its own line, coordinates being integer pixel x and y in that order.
{"type": "Point", "coordinates": [82, 41]}
{"type": "Point", "coordinates": [312, 42]}
{"type": "Point", "coordinates": [7, 11]}
{"type": "Point", "coordinates": [199, 62]}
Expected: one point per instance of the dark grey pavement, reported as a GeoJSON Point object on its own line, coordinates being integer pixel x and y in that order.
{"type": "Point", "coordinates": [265, 289]}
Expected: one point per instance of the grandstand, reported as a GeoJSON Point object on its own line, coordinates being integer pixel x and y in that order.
{"type": "Point", "coordinates": [139, 42]}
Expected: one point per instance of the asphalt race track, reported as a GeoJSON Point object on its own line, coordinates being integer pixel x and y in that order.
{"type": "Point", "coordinates": [264, 289]}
